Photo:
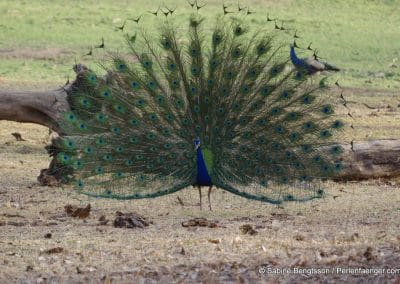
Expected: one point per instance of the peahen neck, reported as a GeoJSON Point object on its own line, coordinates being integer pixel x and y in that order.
{"type": "Point", "coordinates": [295, 60]}
{"type": "Point", "coordinates": [203, 177]}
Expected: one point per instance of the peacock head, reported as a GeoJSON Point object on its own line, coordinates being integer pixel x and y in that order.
{"type": "Point", "coordinates": [197, 143]}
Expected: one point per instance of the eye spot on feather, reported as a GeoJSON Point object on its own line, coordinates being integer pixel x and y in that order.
{"type": "Point", "coordinates": [224, 92]}
{"type": "Point", "coordinates": [85, 102]}
{"type": "Point", "coordinates": [88, 150]}
{"type": "Point", "coordinates": [304, 178]}
{"type": "Point", "coordinates": [336, 150]}
{"type": "Point", "coordinates": [80, 184]}
{"type": "Point", "coordinates": [121, 66]}
{"type": "Point", "coordinates": [135, 85]}
{"type": "Point", "coordinates": [179, 103]}
{"type": "Point", "coordinates": [245, 89]}
{"type": "Point", "coordinates": [99, 170]}
{"type": "Point", "coordinates": [238, 31]}
{"type": "Point", "coordinates": [106, 94]}
{"type": "Point", "coordinates": [63, 158]}
{"type": "Point", "coordinates": [175, 84]}
{"type": "Point", "coordinates": [217, 37]}
{"type": "Point", "coordinates": [285, 95]}
{"type": "Point", "coordinates": [276, 146]}
{"type": "Point", "coordinates": [237, 52]}
{"type": "Point", "coordinates": [261, 140]}
{"type": "Point", "coordinates": [92, 78]}
{"type": "Point", "coordinates": [338, 166]}
{"type": "Point", "coordinates": [306, 148]}
{"type": "Point", "coordinates": [152, 85]}
{"type": "Point", "coordinates": [288, 197]}
{"type": "Point", "coordinates": [299, 166]}
{"type": "Point", "coordinates": [325, 134]}
{"type": "Point", "coordinates": [279, 129]}
{"type": "Point", "coordinates": [100, 141]}
{"type": "Point", "coordinates": [294, 136]}
{"type": "Point", "coordinates": [71, 117]}
{"type": "Point", "coordinates": [337, 124]}
{"type": "Point", "coordinates": [170, 117]}
{"type": "Point", "coordinates": [172, 66]}
{"type": "Point", "coordinates": [82, 126]}
{"type": "Point", "coordinates": [317, 159]}
{"type": "Point", "coordinates": [116, 130]}
{"type": "Point", "coordinates": [194, 52]}
{"type": "Point", "coordinates": [327, 109]}
{"type": "Point", "coordinates": [261, 49]}
{"type": "Point", "coordinates": [70, 144]}
{"type": "Point", "coordinates": [308, 99]}
{"type": "Point", "coordinates": [309, 125]}
{"type": "Point", "coordinates": [166, 43]}
{"type": "Point", "coordinates": [195, 71]}
{"type": "Point", "coordinates": [107, 157]}
{"type": "Point", "coordinates": [153, 117]}
{"type": "Point", "coordinates": [275, 111]}
{"type": "Point", "coordinates": [214, 63]}
{"type": "Point", "coordinates": [140, 102]}
{"type": "Point", "coordinates": [151, 136]}
{"type": "Point", "coordinates": [147, 64]}
{"type": "Point", "coordinates": [193, 90]}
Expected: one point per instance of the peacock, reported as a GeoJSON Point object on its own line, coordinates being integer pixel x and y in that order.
{"type": "Point", "coordinates": [230, 107]}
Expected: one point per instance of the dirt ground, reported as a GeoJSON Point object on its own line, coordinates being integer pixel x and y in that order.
{"type": "Point", "coordinates": [356, 225]}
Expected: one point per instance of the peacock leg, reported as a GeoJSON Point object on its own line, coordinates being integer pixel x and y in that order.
{"type": "Point", "coordinates": [209, 197]}
{"type": "Point", "coordinates": [199, 187]}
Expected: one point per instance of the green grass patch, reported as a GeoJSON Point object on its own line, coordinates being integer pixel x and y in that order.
{"type": "Point", "coordinates": [361, 37]}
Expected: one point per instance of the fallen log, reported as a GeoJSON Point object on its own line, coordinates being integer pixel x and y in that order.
{"type": "Point", "coordinates": [44, 108]}
{"type": "Point", "coordinates": [363, 160]}
{"type": "Point", "coordinates": [371, 159]}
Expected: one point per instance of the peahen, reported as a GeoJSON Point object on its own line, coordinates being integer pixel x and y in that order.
{"type": "Point", "coordinates": [223, 107]}
{"type": "Point", "coordinates": [311, 65]}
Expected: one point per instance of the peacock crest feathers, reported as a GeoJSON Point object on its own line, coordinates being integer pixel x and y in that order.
{"type": "Point", "coordinates": [262, 123]}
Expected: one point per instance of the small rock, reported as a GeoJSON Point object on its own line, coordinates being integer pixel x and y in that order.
{"type": "Point", "coordinates": [369, 254]}
{"type": "Point", "coordinates": [103, 221]}
{"type": "Point", "coordinates": [54, 250]}
{"type": "Point", "coordinates": [248, 229]}
{"type": "Point", "coordinates": [214, 241]}
{"type": "Point", "coordinates": [199, 222]}
{"type": "Point", "coordinates": [130, 220]}
{"type": "Point", "coordinates": [48, 236]}
{"type": "Point", "coordinates": [77, 212]}
{"type": "Point", "coordinates": [299, 238]}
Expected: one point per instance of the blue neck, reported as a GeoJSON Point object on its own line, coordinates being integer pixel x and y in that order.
{"type": "Point", "coordinates": [203, 178]}
{"type": "Point", "coordinates": [295, 60]}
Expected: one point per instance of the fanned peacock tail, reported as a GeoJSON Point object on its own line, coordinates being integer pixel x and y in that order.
{"type": "Point", "coordinates": [265, 128]}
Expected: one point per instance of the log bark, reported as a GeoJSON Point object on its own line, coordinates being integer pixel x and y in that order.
{"type": "Point", "coordinates": [43, 108]}
{"type": "Point", "coordinates": [371, 159]}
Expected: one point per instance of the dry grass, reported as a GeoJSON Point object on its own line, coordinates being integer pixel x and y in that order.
{"type": "Point", "coordinates": [356, 225]}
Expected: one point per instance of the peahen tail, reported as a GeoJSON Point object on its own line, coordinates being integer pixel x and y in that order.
{"type": "Point", "coordinates": [262, 123]}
